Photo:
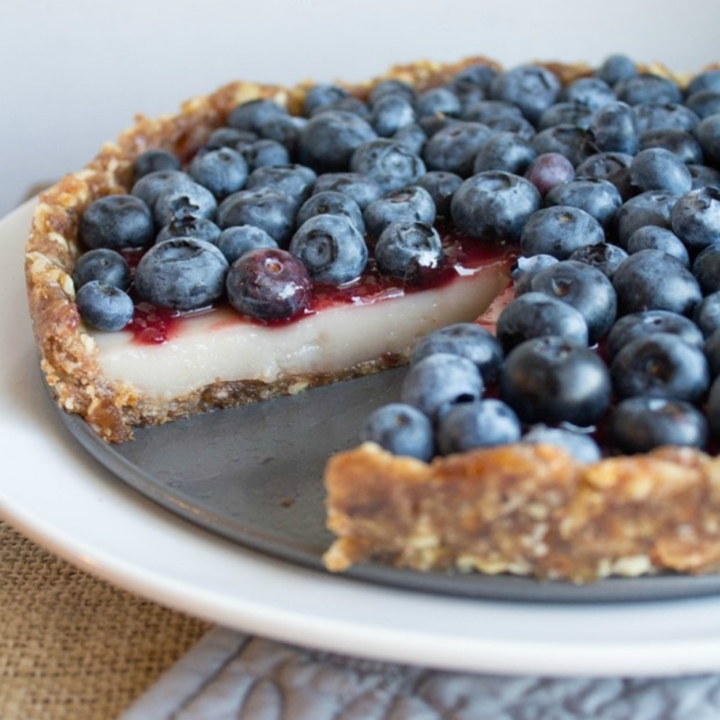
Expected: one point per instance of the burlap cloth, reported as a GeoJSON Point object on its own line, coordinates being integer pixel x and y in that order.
{"type": "Point", "coordinates": [72, 646]}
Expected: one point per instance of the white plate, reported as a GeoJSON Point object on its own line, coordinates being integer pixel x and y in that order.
{"type": "Point", "coordinates": [55, 493]}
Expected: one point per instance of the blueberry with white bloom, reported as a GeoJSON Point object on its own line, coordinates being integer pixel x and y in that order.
{"type": "Point", "coordinates": [331, 203]}
{"type": "Point", "coordinates": [223, 171]}
{"type": "Point", "coordinates": [104, 306]}
{"type": "Point", "coordinates": [107, 266]}
{"type": "Point", "coordinates": [478, 424]}
{"type": "Point", "coordinates": [235, 241]}
{"type": "Point", "coordinates": [331, 248]}
{"type": "Point", "coordinates": [409, 250]}
{"type": "Point", "coordinates": [579, 445]}
{"type": "Point", "coordinates": [402, 430]}
{"type": "Point", "coordinates": [116, 222]}
{"type": "Point", "coordinates": [388, 162]}
{"type": "Point", "coordinates": [183, 274]}
{"type": "Point", "coordinates": [193, 201]}
{"type": "Point", "coordinates": [439, 381]}
{"type": "Point", "coordinates": [412, 204]}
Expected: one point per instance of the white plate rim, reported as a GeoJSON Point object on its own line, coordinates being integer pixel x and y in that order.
{"type": "Point", "coordinates": [65, 501]}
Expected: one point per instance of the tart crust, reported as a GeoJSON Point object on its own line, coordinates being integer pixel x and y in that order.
{"type": "Point", "coordinates": [526, 510]}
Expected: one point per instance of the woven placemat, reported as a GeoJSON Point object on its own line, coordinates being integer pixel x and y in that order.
{"type": "Point", "coordinates": [72, 646]}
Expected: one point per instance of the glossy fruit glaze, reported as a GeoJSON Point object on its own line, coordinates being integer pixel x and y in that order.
{"type": "Point", "coordinates": [464, 256]}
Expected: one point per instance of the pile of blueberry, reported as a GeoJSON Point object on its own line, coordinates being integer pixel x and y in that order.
{"type": "Point", "coordinates": [610, 187]}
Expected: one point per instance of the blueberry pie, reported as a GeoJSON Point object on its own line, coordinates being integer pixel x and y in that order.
{"type": "Point", "coordinates": [540, 244]}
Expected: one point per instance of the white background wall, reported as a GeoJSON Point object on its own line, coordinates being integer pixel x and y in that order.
{"type": "Point", "coordinates": [74, 73]}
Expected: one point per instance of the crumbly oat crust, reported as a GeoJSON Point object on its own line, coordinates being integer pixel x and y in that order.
{"type": "Point", "coordinates": [526, 510]}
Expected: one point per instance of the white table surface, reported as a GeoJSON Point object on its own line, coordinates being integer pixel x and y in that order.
{"type": "Point", "coordinates": [74, 74]}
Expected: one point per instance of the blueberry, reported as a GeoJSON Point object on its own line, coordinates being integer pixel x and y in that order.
{"type": "Point", "coordinates": [615, 129]}
{"type": "Point", "coordinates": [707, 314]}
{"type": "Point", "coordinates": [184, 274]}
{"type": "Point", "coordinates": [149, 187]}
{"type": "Point", "coordinates": [254, 114]}
{"type": "Point", "coordinates": [222, 171]}
{"type": "Point", "coordinates": [648, 208]}
{"type": "Point", "coordinates": [704, 103]}
{"type": "Point", "coordinates": [670, 116]}
{"type": "Point", "coordinates": [105, 307]}
{"type": "Point", "coordinates": [583, 287]}
{"type": "Point", "coordinates": [265, 153]}
{"type": "Point", "coordinates": [494, 205]}
{"type": "Point", "coordinates": [536, 314]}
{"type": "Point", "coordinates": [331, 248]}
{"type": "Point", "coordinates": [695, 217]}
{"type": "Point", "coordinates": [711, 348]}
{"type": "Point", "coordinates": [431, 124]}
{"type": "Point", "coordinates": [484, 111]}
{"type": "Point", "coordinates": [548, 170]}
{"type": "Point", "coordinates": [615, 68]}
{"type": "Point", "coordinates": [411, 204]}
{"type": "Point", "coordinates": [409, 250]}
{"type": "Point", "coordinates": [487, 110]}
{"type": "Point", "coordinates": [269, 284]}
{"type": "Point", "coordinates": [519, 125]}
{"type": "Point", "coordinates": [478, 424]}
{"type": "Point", "coordinates": [706, 269]}
{"type": "Point", "coordinates": [553, 380]}
{"type": "Point", "coordinates": [559, 231]}
{"type": "Point", "coordinates": [231, 137]}
{"type": "Point", "coordinates": [610, 166]}
{"type": "Point", "coordinates": [604, 256]}
{"type": "Point", "coordinates": [713, 409]}
{"type": "Point", "coordinates": [599, 198]}
{"type": "Point", "coordinates": [478, 76]}
{"type": "Point", "coordinates": [566, 113]}
{"type": "Point", "coordinates": [708, 135]}
{"type": "Point", "coordinates": [440, 380]}
{"type": "Point", "coordinates": [704, 176]}
{"type": "Point", "coordinates": [194, 201]}
{"type": "Point", "coordinates": [392, 86]}
{"type": "Point", "coordinates": [440, 100]}
{"type": "Point", "coordinates": [358, 187]}
{"type": "Point", "coordinates": [504, 151]}
{"type": "Point", "coordinates": [454, 148]}
{"type": "Point", "coordinates": [639, 286]}
{"type": "Point", "coordinates": [441, 186]}
{"type": "Point", "coordinates": [413, 137]}
{"type": "Point", "coordinates": [104, 265]}
{"type": "Point", "coordinates": [651, 237]}
{"type": "Point", "coordinates": [466, 339]}
{"type": "Point", "coordinates": [640, 424]}
{"type": "Point", "coordinates": [329, 139]}
{"type": "Point", "coordinates": [296, 181]}
{"type": "Point", "coordinates": [581, 447]}
{"type": "Point", "coordinates": [402, 430]}
{"type": "Point", "coordinates": [390, 113]}
{"type": "Point", "coordinates": [284, 129]}
{"type": "Point", "coordinates": [116, 222]}
{"type": "Point", "coordinates": [592, 92]}
{"type": "Point", "coordinates": [531, 87]}
{"type": "Point", "coordinates": [331, 203]}
{"type": "Point", "coordinates": [568, 140]}
{"type": "Point", "coordinates": [680, 143]}
{"type": "Point", "coordinates": [708, 80]}
{"type": "Point", "coordinates": [321, 95]}
{"type": "Point", "coordinates": [271, 210]}
{"type": "Point", "coordinates": [649, 322]}
{"type": "Point", "coordinates": [648, 88]}
{"type": "Point", "coordinates": [388, 162]}
{"type": "Point", "coordinates": [526, 268]}
{"type": "Point", "coordinates": [660, 365]}
{"type": "Point", "coordinates": [153, 160]}
{"type": "Point", "coordinates": [349, 104]}
{"type": "Point", "coordinates": [196, 227]}
{"type": "Point", "coordinates": [235, 241]}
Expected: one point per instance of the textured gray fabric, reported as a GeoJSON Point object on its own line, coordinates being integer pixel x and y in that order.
{"type": "Point", "coordinates": [231, 676]}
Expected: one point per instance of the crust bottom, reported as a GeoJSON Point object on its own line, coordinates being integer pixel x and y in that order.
{"type": "Point", "coordinates": [526, 510]}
